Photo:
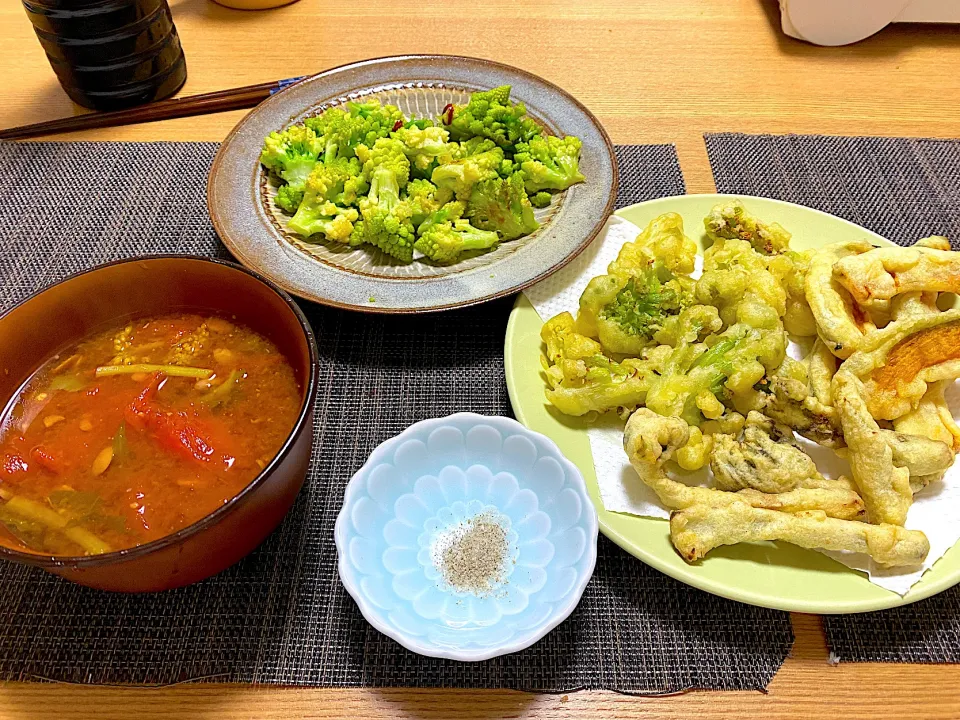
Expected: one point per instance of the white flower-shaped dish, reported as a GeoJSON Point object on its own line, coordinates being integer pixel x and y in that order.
{"type": "Point", "coordinates": [436, 474]}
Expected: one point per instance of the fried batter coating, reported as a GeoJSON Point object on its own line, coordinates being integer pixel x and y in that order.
{"type": "Point", "coordinates": [884, 487]}
{"type": "Point", "coordinates": [791, 269]}
{"type": "Point", "coordinates": [581, 379]}
{"type": "Point", "coordinates": [931, 418]}
{"type": "Point", "coordinates": [913, 304]}
{"type": "Point", "coordinates": [638, 302]}
{"type": "Point", "coordinates": [840, 322]}
{"type": "Point", "coordinates": [731, 220]}
{"type": "Point", "coordinates": [882, 273]}
{"type": "Point", "coordinates": [790, 403]}
{"type": "Point", "coordinates": [765, 458]}
{"type": "Point", "coordinates": [898, 362]}
{"type": "Point", "coordinates": [699, 529]}
{"type": "Point", "coordinates": [918, 453]}
{"type": "Point", "coordinates": [821, 367]}
{"type": "Point", "coordinates": [738, 282]}
{"type": "Point", "coordinates": [650, 440]}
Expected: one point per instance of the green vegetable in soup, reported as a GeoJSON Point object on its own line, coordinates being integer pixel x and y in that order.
{"type": "Point", "coordinates": [29, 521]}
{"type": "Point", "coordinates": [120, 442]}
{"type": "Point", "coordinates": [222, 392]}
{"type": "Point", "coordinates": [70, 383]}
{"type": "Point", "coordinates": [76, 503]}
{"type": "Point", "coordinates": [171, 370]}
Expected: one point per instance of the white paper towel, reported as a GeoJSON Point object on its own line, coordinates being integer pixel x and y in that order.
{"type": "Point", "coordinates": [933, 510]}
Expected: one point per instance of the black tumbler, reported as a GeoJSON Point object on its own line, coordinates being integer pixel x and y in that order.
{"type": "Point", "coordinates": [110, 54]}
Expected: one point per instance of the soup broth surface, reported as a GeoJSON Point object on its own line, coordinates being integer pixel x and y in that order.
{"type": "Point", "coordinates": [140, 431]}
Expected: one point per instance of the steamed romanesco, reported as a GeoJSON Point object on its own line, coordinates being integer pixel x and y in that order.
{"type": "Point", "coordinates": [363, 174]}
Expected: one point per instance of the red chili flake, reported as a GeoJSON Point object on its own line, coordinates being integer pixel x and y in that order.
{"type": "Point", "coordinates": [447, 114]}
{"type": "Point", "coordinates": [397, 125]}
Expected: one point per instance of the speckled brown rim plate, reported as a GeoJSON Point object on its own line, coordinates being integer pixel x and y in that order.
{"type": "Point", "coordinates": [248, 227]}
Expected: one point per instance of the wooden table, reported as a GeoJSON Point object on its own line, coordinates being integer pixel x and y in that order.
{"type": "Point", "coordinates": [653, 72]}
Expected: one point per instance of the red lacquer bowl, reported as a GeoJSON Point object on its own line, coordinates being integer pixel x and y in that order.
{"type": "Point", "coordinates": [63, 314]}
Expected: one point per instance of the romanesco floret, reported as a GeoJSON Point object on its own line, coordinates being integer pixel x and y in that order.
{"type": "Point", "coordinates": [424, 146]}
{"type": "Point", "coordinates": [329, 187]}
{"type": "Point", "coordinates": [490, 114]}
{"type": "Point", "coordinates": [360, 123]}
{"type": "Point", "coordinates": [289, 198]}
{"type": "Point", "coordinates": [541, 199]}
{"type": "Point", "coordinates": [385, 164]}
{"type": "Point", "coordinates": [502, 205]}
{"type": "Point", "coordinates": [323, 217]}
{"type": "Point", "coordinates": [445, 242]}
{"type": "Point", "coordinates": [475, 146]}
{"type": "Point", "coordinates": [460, 176]}
{"type": "Point", "coordinates": [549, 162]}
{"type": "Point", "coordinates": [386, 225]}
{"type": "Point", "coordinates": [292, 154]}
{"type": "Point", "coordinates": [447, 213]}
{"type": "Point", "coordinates": [425, 198]}
{"type": "Point", "coordinates": [385, 219]}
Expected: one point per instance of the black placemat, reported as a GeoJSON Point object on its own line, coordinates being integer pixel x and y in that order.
{"type": "Point", "coordinates": [281, 615]}
{"type": "Point", "coordinates": [904, 189]}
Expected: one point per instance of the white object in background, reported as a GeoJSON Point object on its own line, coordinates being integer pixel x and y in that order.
{"type": "Point", "coordinates": [841, 22]}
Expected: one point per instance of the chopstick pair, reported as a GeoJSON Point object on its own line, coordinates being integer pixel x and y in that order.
{"type": "Point", "coordinates": [239, 98]}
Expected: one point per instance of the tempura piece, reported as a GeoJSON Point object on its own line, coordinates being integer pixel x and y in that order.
{"type": "Point", "coordinates": [898, 363]}
{"type": "Point", "coordinates": [841, 323]}
{"type": "Point", "coordinates": [931, 418]}
{"type": "Point", "coordinates": [919, 454]}
{"type": "Point", "coordinates": [738, 282]}
{"type": "Point", "coordinates": [913, 304]}
{"type": "Point", "coordinates": [790, 402]}
{"type": "Point", "coordinates": [644, 291]}
{"type": "Point", "coordinates": [699, 529]}
{"type": "Point", "coordinates": [884, 487]}
{"type": "Point", "coordinates": [663, 238]}
{"type": "Point", "coordinates": [650, 440]}
{"type": "Point", "coordinates": [731, 220]}
{"type": "Point", "coordinates": [791, 270]}
{"type": "Point", "coordinates": [582, 379]}
{"type": "Point", "coordinates": [821, 367]}
{"type": "Point", "coordinates": [764, 458]}
{"type": "Point", "coordinates": [695, 376]}
{"type": "Point", "coordinates": [882, 273]}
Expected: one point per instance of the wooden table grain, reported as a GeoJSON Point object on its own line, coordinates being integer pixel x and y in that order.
{"type": "Point", "coordinates": [652, 71]}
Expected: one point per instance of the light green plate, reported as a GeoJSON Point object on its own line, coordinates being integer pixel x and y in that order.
{"type": "Point", "coordinates": [774, 575]}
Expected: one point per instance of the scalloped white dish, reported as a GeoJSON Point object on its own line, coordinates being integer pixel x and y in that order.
{"type": "Point", "coordinates": [433, 477]}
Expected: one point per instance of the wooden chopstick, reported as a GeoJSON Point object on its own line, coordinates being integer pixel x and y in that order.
{"type": "Point", "coordinates": [205, 104]}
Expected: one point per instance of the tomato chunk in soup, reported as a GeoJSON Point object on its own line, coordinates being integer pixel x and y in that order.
{"type": "Point", "coordinates": [140, 431]}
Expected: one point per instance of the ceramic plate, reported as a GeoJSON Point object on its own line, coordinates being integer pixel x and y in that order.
{"type": "Point", "coordinates": [775, 575]}
{"type": "Point", "coordinates": [239, 191]}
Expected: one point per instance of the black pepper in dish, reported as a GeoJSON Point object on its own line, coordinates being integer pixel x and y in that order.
{"type": "Point", "coordinates": [472, 558]}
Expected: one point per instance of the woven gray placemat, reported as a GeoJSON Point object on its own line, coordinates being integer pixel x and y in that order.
{"type": "Point", "coordinates": [903, 189]}
{"type": "Point", "coordinates": [281, 615]}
